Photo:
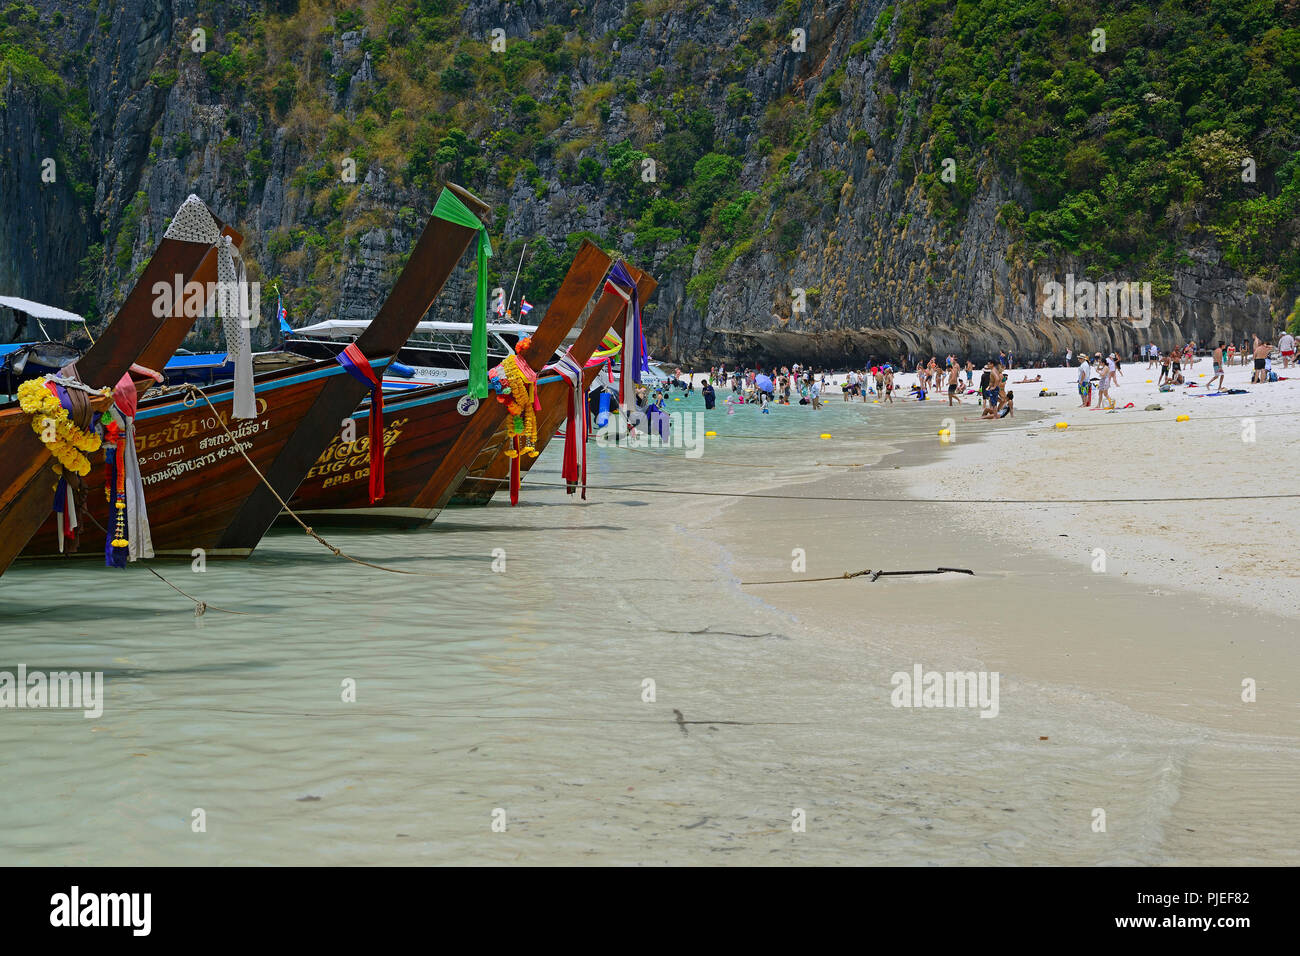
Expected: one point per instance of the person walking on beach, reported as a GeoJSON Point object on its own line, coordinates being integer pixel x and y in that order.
{"type": "Point", "coordinates": [1218, 368]}
{"type": "Point", "coordinates": [1286, 345]}
{"type": "Point", "coordinates": [1085, 382]}
{"type": "Point", "coordinates": [1105, 374]}
{"type": "Point", "coordinates": [954, 376]}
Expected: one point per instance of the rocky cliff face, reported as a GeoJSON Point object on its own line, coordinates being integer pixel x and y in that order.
{"type": "Point", "coordinates": [836, 254]}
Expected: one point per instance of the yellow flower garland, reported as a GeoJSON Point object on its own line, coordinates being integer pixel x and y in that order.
{"type": "Point", "coordinates": [524, 418]}
{"type": "Point", "coordinates": [70, 443]}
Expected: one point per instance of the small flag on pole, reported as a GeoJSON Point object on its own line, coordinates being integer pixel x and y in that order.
{"type": "Point", "coordinates": [282, 315]}
{"type": "Point", "coordinates": [524, 306]}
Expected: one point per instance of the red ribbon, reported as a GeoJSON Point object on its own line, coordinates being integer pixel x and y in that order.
{"type": "Point", "coordinates": [355, 361]}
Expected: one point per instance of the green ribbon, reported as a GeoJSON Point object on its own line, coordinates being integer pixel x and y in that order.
{"type": "Point", "coordinates": [453, 210]}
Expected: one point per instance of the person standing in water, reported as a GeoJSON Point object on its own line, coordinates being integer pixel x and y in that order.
{"type": "Point", "coordinates": [710, 397]}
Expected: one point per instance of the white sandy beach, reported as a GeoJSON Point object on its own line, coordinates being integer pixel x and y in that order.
{"type": "Point", "coordinates": [1234, 548]}
{"type": "Point", "coordinates": [1127, 681]}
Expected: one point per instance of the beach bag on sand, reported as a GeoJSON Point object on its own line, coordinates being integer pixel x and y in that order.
{"type": "Point", "coordinates": [1044, 393]}
{"type": "Point", "coordinates": [1153, 408]}
{"type": "Point", "coordinates": [1272, 376]}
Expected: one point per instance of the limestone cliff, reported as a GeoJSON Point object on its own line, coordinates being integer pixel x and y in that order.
{"type": "Point", "coordinates": [793, 207]}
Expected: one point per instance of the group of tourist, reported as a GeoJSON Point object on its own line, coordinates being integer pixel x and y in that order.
{"type": "Point", "coordinates": [878, 383]}
{"type": "Point", "coordinates": [1098, 377]}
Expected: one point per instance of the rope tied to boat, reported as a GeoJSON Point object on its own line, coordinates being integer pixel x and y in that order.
{"type": "Point", "coordinates": [307, 529]}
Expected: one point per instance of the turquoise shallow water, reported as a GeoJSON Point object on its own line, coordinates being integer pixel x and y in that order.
{"type": "Point", "coordinates": [518, 696]}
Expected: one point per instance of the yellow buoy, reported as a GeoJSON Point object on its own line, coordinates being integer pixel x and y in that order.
{"type": "Point", "coordinates": [943, 432]}
{"type": "Point", "coordinates": [875, 401]}
{"type": "Point", "coordinates": [824, 435]}
{"type": "Point", "coordinates": [1183, 418]}
{"type": "Point", "coordinates": [710, 434]}
{"type": "Point", "coordinates": [1148, 381]}
{"type": "Point", "coordinates": [1062, 425]}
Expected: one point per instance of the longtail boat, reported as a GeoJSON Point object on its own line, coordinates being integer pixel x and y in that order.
{"type": "Point", "coordinates": [423, 424]}
{"type": "Point", "coordinates": [490, 470]}
{"type": "Point", "coordinates": [454, 468]}
{"type": "Point", "coordinates": [28, 477]}
{"type": "Point", "coordinates": [204, 496]}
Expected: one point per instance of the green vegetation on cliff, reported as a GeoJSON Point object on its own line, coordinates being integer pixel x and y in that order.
{"type": "Point", "coordinates": [1179, 131]}
{"type": "Point", "coordinates": [1179, 124]}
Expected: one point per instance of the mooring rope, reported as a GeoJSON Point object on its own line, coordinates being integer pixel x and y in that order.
{"type": "Point", "coordinates": [200, 606]}
{"type": "Point", "coordinates": [913, 501]}
{"type": "Point", "coordinates": [307, 529]}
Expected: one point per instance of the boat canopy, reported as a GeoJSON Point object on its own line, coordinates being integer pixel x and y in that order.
{"type": "Point", "coordinates": [38, 310]}
{"type": "Point", "coordinates": [349, 327]}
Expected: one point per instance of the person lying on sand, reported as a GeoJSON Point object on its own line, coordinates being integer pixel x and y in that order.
{"type": "Point", "coordinates": [1029, 381]}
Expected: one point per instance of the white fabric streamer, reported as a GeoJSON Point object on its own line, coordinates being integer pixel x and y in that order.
{"type": "Point", "coordinates": [137, 516]}
{"type": "Point", "coordinates": [194, 223]}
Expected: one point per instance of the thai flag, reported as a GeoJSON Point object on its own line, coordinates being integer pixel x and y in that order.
{"type": "Point", "coordinates": [282, 315]}
{"type": "Point", "coordinates": [524, 306]}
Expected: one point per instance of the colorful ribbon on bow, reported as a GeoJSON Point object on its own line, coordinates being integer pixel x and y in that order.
{"type": "Point", "coordinates": [354, 360]}
{"type": "Point", "coordinates": [453, 210]}
{"type": "Point", "coordinates": [575, 429]}
{"type": "Point", "coordinates": [635, 362]}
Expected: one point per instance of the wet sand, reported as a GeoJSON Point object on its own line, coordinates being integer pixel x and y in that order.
{"type": "Point", "coordinates": [1166, 664]}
